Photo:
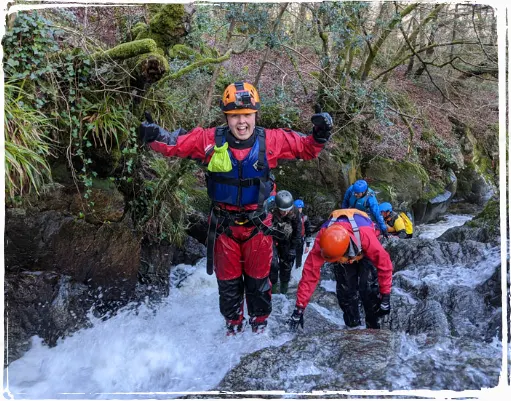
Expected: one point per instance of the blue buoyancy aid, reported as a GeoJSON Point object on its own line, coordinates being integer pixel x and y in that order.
{"type": "Point", "coordinates": [249, 182]}
{"type": "Point", "coordinates": [361, 203]}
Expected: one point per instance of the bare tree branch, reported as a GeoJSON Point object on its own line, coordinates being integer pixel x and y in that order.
{"type": "Point", "coordinates": [477, 35]}
{"type": "Point", "coordinates": [426, 68]}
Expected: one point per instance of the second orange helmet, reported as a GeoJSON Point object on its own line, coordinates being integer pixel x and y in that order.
{"type": "Point", "coordinates": [334, 243]}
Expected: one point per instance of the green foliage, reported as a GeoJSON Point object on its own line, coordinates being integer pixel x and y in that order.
{"type": "Point", "coordinates": [106, 122]}
{"type": "Point", "coordinates": [27, 45]}
{"type": "Point", "coordinates": [161, 208]}
{"type": "Point", "coordinates": [27, 144]}
{"type": "Point", "coordinates": [441, 153]}
{"type": "Point", "coordinates": [278, 111]}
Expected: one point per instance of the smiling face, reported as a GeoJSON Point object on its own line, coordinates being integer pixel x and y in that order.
{"type": "Point", "coordinates": [242, 125]}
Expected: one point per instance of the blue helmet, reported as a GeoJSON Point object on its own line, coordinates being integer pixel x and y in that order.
{"type": "Point", "coordinates": [360, 186]}
{"type": "Point", "coordinates": [299, 203]}
{"type": "Point", "coordinates": [385, 207]}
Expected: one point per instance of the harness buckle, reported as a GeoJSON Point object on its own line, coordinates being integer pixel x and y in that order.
{"type": "Point", "coordinates": [258, 166]}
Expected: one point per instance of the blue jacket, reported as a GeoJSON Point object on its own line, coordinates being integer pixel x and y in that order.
{"type": "Point", "coordinates": [247, 183]}
{"type": "Point", "coordinates": [368, 203]}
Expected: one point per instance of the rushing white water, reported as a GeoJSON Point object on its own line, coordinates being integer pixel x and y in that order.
{"type": "Point", "coordinates": [176, 347]}
{"type": "Point", "coordinates": [431, 231]}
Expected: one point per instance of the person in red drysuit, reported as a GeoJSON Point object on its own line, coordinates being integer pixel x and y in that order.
{"type": "Point", "coordinates": [239, 158]}
{"type": "Point", "coordinates": [361, 266]}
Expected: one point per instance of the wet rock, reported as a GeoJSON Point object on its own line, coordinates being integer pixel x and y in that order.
{"type": "Point", "coordinates": [108, 205]}
{"type": "Point", "coordinates": [104, 256]}
{"type": "Point", "coordinates": [340, 360]}
{"type": "Point", "coordinates": [155, 265]}
{"type": "Point", "coordinates": [335, 359]}
{"type": "Point", "coordinates": [413, 252]}
{"type": "Point", "coordinates": [58, 266]}
{"type": "Point", "coordinates": [45, 304]}
{"type": "Point", "coordinates": [198, 226]}
{"type": "Point", "coordinates": [430, 210]}
{"type": "Point", "coordinates": [190, 253]}
{"type": "Point", "coordinates": [463, 233]}
{"type": "Point", "coordinates": [427, 317]}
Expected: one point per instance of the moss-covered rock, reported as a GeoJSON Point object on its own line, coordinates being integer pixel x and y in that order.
{"type": "Point", "coordinates": [489, 218]}
{"type": "Point", "coordinates": [477, 179]}
{"type": "Point", "coordinates": [401, 183]}
{"type": "Point", "coordinates": [168, 25]}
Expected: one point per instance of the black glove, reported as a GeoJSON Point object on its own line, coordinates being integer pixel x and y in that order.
{"type": "Point", "coordinates": [385, 234]}
{"type": "Point", "coordinates": [384, 308]}
{"type": "Point", "coordinates": [322, 129]}
{"type": "Point", "coordinates": [296, 319]}
{"type": "Point", "coordinates": [148, 131]}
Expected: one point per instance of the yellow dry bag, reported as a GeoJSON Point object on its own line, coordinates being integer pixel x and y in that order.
{"type": "Point", "coordinates": [408, 222]}
{"type": "Point", "coordinates": [220, 161]}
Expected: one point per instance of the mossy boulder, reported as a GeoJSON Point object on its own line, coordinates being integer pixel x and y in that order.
{"type": "Point", "coordinates": [108, 203]}
{"type": "Point", "coordinates": [138, 28]}
{"type": "Point", "coordinates": [485, 227]}
{"type": "Point", "coordinates": [169, 24]}
{"type": "Point", "coordinates": [400, 182]}
{"type": "Point", "coordinates": [489, 218]}
{"type": "Point", "coordinates": [408, 186]}
{"type": "Point", "coordinates": [477, 179]}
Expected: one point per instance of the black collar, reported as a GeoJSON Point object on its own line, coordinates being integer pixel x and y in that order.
{"type": "Point", "coordinates": [238, 144]}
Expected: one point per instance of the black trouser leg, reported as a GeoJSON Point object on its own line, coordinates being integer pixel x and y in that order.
{"type": "Point", "coordinates": [274, 268]}
{"type": "Point", "coordinates": [258, 296]}
{"type": "Point", "coordinates": [231, 298]}
{"type": "Point", "coordinates": [369, 292]}
{"type": "Point", "coordinates": [347, 293]}
{"type": "Point", "coordinates": [285, 263]}
{"type": "Point", "coordinates": [299, 254]}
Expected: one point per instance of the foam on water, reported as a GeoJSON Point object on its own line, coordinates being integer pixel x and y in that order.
{"type": "Point", "coordinates": [179, 345]}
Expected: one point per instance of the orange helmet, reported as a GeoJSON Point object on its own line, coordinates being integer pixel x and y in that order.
{"type": "Point", "coordinates": [240, 98]}
{"type": "Point", "coordinates": [334, 243]}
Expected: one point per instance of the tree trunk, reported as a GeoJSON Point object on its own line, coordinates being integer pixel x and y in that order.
{"type": "Point", "coordinates": [410, 62]}
{"type": "Point", "coordinates": [429, 52]}
{"type": "Point", "coordinates": [216, 73]}
{"type": "Point", "coordinates": [386, 32]}
{"type": "Point", "coordinates": [268, 49]}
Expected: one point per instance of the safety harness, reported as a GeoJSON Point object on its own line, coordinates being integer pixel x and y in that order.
{"type": "Point", "coordinates": [221, 221]}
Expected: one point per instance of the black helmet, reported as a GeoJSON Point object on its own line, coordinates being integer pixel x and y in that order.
{"type": "Point", "coordinates": [284, 200]}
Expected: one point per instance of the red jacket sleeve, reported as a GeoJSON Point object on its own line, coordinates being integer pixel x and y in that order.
{"type": "Point", "coordinates": [287, 144]}
{"type": "Point", "coordinates": [310, 275]}
{"type": "Point", "coordinates": [193, 144]}
{"type": "Point", "coordinates": [379, 257]}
